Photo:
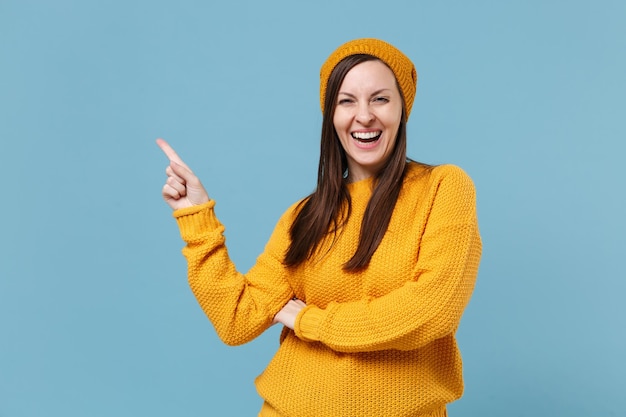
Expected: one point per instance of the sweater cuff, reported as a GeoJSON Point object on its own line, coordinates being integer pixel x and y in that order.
{"type": "Point", "coordinates": [194, 222]}
{"type": "Point", "coordinates": [308, 321]}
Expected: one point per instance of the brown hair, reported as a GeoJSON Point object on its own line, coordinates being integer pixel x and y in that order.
{"type": "Point", "coordinates": [327, 208]}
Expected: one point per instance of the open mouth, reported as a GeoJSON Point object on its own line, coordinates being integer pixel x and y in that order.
{"type": "Point", "coordinates": [367, 137]}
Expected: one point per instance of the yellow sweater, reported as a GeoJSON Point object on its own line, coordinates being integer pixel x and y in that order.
{"type": "Point", "coordinates": [378, 342]}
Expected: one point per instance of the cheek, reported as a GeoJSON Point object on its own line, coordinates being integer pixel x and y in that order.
{"type": "Point", "coordinates": [338, 121]}
{"type": "Point", "coordinates": [342, 133]}
{"type": "Point", "coordinates": [394, 138]}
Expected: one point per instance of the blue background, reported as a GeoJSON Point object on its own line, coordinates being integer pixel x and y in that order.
{"type": "Point", "coordinates": [96, 318]}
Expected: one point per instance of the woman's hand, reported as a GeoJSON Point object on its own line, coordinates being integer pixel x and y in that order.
{"type": "Point", "coordinates": [182, 188]}
{"type": "Point", "coordinates": [287, 315]}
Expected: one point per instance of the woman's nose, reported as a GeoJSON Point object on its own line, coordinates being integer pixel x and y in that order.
{"type": "Point", "coordinates": [364, 114]}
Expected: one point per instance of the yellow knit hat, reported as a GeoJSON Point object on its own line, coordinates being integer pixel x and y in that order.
{"type": "Point", "coordinates": [400, 64]}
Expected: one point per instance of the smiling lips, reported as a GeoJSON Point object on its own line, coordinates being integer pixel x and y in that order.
{"type": "Point", "coordinates": [367, 137]}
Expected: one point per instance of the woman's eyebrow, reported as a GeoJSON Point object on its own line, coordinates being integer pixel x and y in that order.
{"type": "Point", "coordinates": [373, 94]}
{"type": "Point", "coordinates": [382, 90]}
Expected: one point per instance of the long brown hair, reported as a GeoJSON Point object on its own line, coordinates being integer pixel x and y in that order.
{"type": "Point", "coordinates": [327, 208]}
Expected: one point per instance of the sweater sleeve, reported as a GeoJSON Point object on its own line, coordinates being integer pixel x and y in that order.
{"type": "Point", "coordinates": [429, 306]}
{"type": "Point", "coordinates": [240, 306]}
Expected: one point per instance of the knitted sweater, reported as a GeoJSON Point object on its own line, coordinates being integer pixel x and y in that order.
{"type": "Point", "coordinates": [377, 342]}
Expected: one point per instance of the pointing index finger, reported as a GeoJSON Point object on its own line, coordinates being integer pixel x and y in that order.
{"type": "Point", "coordinates": [169, 152]}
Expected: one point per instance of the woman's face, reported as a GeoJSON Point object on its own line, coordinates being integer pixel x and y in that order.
{"type": "Point", "coordinates": [367, 117]}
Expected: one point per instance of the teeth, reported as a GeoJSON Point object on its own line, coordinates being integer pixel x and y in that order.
{"type": "Point", "coordinates": [366, 135]}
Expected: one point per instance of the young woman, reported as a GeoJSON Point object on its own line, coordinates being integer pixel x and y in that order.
{"type": "Point", "coordinates": [369, 274]}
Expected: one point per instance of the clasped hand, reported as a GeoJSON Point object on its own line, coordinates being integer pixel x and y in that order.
{"type": "Point", "coordinates": [287, 315]}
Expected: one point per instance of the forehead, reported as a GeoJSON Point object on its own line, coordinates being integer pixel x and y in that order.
{"type": "Point", "coordinates": [369, 75]}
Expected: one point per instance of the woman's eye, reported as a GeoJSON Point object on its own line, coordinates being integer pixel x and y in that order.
{"type": "Point", "coordinates": [381, 100]}
{"type": "Point", "coordinates": [345, 101]}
